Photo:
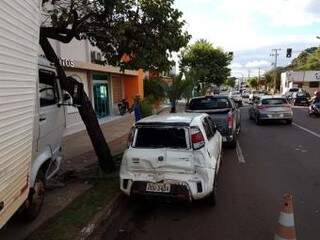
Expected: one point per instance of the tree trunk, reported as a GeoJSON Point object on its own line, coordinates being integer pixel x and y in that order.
{"type": "Point", "coordinates": [87, 113]}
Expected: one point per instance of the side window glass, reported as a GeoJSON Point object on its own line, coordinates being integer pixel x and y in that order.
{"type": "Point", "coordinates": [212, 125]}
{"type": "Point", "coordinates": [47, 92]}
{"type": "Point", "coordinates": [207, 128]}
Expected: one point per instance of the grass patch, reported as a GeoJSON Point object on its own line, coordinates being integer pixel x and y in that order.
{"type": "Point", "coordinates": [68, 223]}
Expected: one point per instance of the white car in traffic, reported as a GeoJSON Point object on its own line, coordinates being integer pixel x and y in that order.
{"type": "Point", "coordinates": [173, 156]}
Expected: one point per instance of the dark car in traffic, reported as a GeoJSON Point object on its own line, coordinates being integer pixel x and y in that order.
{"type": "Point", "coordinates": [224, 113]}
{"type": "Point", "coordinates": [300, 99]}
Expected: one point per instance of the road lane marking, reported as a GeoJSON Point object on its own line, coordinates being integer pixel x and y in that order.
{"type": "Point", "coordinates": [307, 130]}
{"type": "Point", "coordinates": [239, 154]}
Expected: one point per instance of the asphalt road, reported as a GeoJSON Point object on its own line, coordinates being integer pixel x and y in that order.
{"type": "Point", "coordinates": [272, 159]}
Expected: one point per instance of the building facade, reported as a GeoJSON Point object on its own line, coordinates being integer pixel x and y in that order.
{"type": "Point", "coordinates": [105, 85]}
{"type": "Point", "coordinates": [306, 80]}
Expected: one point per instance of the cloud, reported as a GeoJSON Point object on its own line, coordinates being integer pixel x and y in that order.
{"type": "Point", "coordinates": [257, 64]}
{"type": "Point", "coordinates": [236, 65]}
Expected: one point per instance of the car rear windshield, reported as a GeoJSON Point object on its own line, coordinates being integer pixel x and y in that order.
{"type": "Point", "coordinates": [161, 137]}
{"type": "Point", "coordinates": [274, 101]}
{"type": "Point", "coordinates": [209, 103]}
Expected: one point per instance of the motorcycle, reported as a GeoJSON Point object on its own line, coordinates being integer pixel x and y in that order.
{"type": "Point", "coordinates": [314, 109]}
{"type": "Point", "coordinates": [123, 106]}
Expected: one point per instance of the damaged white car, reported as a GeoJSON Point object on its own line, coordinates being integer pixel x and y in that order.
{"type": "Point", "coordinates": [172, 156]}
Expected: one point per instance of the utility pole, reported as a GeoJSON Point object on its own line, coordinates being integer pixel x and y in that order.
{"type": "Point", "coordinates": [259, 74]}
{"type": "Point", "coordinates": [275, 54]}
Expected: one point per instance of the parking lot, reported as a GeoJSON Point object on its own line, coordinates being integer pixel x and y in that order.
{"type": "Point", "coordinates": [270, 160]}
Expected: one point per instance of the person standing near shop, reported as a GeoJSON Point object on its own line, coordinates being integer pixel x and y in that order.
{"type": "Point", "coordinates": [136, 107]}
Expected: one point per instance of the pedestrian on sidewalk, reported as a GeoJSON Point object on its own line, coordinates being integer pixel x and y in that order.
{"type": "Point", "coordinates": [136, 107]}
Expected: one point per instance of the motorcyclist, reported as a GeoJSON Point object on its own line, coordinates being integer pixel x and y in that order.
{"type": "Point", "coordinates": [315, 104]}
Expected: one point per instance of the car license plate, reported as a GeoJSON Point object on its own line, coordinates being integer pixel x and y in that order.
{"type": "Point", "coordinates": [158, 187]}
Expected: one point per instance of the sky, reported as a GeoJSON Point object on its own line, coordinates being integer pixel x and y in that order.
{"type": "Point", "coordinates": [252, 28]}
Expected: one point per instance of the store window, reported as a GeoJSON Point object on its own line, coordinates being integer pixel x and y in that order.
{"type": "Point", "coordinates": [314, 84]}
{"type": "Point", "coordinates": [101, 94]}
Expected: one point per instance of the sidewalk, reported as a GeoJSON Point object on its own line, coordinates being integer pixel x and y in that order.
{"type": "Point", "coordinates": [77, 148]}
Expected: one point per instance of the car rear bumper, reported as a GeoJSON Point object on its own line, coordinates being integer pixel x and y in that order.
{"type": "Point", "coordinates": [183, 186]}
{"type": "Point", "coordinates": [276, 116]}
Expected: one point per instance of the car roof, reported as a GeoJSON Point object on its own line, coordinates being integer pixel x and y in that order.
{"type": "Point", "coordinates": [173, 119]}
{"type": "Point", "coordinates": [211, 96]}
{"type": "Point", "coordinates": [272, 96]}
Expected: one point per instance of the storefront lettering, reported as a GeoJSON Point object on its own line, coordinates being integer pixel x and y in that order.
{"type": "Point", "coordinates": [65, 62]}
{"type": "Point", "coordinates": [317, 76]}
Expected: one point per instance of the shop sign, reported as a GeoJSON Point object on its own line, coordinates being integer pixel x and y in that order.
{"type": "Point", "coordinates": [66, 62]}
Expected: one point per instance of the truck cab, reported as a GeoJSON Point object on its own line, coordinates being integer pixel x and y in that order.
{"type": "Point", "coordinates": [49, 125]}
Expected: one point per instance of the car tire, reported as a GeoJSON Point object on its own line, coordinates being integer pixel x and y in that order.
{"type": "Point", "coordinates": [233, 143]}
{"type": "Point", "coordinates": [33, 204]}
{"type": "Point", "coordinates": [288, 122]}
{"type": "Point", "coordinates": [211, 199]}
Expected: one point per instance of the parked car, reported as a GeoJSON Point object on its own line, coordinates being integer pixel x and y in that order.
{"type": "Point", "coordinates": [245, 94]}
{"type": "Point", "coordinates": [224, 113]}
{"type": "Point", "coordinates": [173, 156]}
{"type": "Point", "coordinates": [271, 108]}
{"type": "Point", "coordinates": [236, 96]}
{"type": "Point", "coordinates": [300, 98]}
{"type": "Point", "coordinates": [256, 94]}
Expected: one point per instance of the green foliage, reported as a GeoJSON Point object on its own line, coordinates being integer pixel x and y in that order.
{"type": "Point", "coordinates": [231, 81]}
{"type": "Point", "coordinates": [154, 89]}
{"type": "Point", "coordinates": [179, 88]}
{"type": "Point", "coordinates": [146, 108]}
{"type": "Point", "coordinates": [274, 76]}
{"type": "Point", "coordinates": [205, 63]}
{"type": "Point", "coordinates": [146, 31]}
{"type": "Point", "coordinates": [309, 59]}
{"type": "Point", "coordinates": [253, 82]}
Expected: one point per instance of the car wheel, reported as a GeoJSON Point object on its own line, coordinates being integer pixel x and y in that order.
{"type": "Point", "coordinates": [289, 122]}
{"type": "Point", "coordinates": [233, 143]}
{"type": "Point", "coordinates": [33, 204]}
{"type": "Point", "coordinates": [212, 197]}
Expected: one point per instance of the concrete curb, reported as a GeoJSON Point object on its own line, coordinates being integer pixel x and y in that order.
{"type": "Point", "coordinates": [99, 217]}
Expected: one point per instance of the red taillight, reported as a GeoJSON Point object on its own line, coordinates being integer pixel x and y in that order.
{"type": "Point", "coordinates": [230, 120]}
{"type": "Point", "coordinates": [197, 138]}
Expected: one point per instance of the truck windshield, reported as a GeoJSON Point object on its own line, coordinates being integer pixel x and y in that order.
{"type": "Point", "coordinates": [161, 137]}
{"type": "Point", "coordinates": [209, 103]}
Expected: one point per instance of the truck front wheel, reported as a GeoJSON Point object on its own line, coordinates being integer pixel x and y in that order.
{"type": "Point", "coordinates": [35, 199]}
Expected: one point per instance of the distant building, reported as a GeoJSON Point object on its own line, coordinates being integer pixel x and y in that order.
{"type": "Point", "coordinates": [105, 85]}
{"type": "Point", "coordinates": [306, 80]}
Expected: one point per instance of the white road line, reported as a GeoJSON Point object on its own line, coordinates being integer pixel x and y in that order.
{"type": "Point", "coordinates": [239, 154]}
{"type": "Point", "coordinates": [307, 130]}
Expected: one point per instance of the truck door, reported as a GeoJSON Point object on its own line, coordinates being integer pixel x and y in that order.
{"type": "Point", "coordinates": [51, 115]}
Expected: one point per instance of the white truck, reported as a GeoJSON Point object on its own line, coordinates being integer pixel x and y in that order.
{"type": "Point", "coordinates": [32, 116]}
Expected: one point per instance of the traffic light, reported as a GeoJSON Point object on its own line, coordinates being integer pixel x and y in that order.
{"type": "Point", "coordinates": [289, 52]}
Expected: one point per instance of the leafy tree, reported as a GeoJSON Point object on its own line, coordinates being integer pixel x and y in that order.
{"type": "Point", "coordinates": [154, 89]}
{"type": "Point", "coordinates": [274, 77]}
{"type": "Point", "coordinates": [208, 65]}
{"type": "Point", "coordinates": [305, 60]}
{"type": "Point", "coordinates": [231, 81]}
{"type": "Point", "coordinates": [145, 32]}
{"type": "Point", "coordinates": [253, 82]}
{"type": "Point", "coordinates": [176, 90]}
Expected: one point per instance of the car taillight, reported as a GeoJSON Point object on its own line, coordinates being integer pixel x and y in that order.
{"type": "Point", "coordinates": [197, 138]}
{"type": "Point", "coordinates": [262, 106]}
{"type": "Point", "coordinates": [230, 120]}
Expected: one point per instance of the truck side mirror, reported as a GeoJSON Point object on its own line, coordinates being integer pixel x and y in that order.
{"type": "Point", "coordinates": [66, 100]}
